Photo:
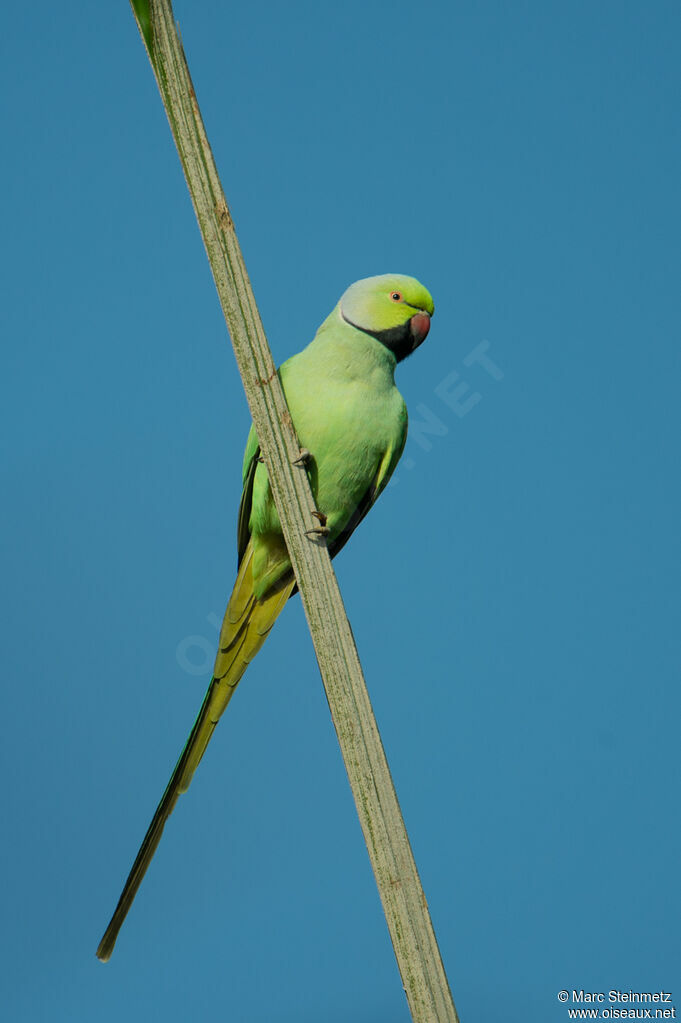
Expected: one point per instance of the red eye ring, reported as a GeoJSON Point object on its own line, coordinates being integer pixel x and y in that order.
{"type": "Point", "coordinates": [396, 296]}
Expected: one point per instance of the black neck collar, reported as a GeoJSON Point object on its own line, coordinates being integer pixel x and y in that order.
{"type": "Point", "coordinates": [397, 340]}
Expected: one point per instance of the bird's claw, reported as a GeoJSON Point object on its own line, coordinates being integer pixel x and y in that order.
{"type": "Point", "coordinates": [318, 531]}
{"type": "Point", "coordinates": [303, 458]}
{"type": "Point", "coordinates": [322, 529]}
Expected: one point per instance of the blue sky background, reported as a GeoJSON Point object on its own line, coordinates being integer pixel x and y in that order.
{"type": "Point", "coordinates": [515, 595]}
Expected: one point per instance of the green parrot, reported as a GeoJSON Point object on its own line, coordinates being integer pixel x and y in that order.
{"type": "Point", "coordinates": [351, 422]}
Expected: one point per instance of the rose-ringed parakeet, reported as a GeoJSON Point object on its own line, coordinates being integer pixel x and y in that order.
{"type": "Point", "coordinates": [352, 422]}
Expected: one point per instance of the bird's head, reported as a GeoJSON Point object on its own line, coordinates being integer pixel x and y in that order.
{"type": "Point", "coordinates": [394, 309]}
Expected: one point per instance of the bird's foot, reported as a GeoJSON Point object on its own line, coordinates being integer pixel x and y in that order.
{"type": "Point", "coordinates": [303, 458]}
{"type": "Point", "coordinates": [318, 531]}
{"type": "Point", "coordinates": [322, 529]}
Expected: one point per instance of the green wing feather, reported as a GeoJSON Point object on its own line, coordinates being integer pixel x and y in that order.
{"type": "Point", "coordinates": [378, 485]}
{"type": "Point", "coordinates": [243, 528]}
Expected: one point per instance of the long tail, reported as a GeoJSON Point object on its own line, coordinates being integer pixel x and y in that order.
{"type": "Point", "coordinates": [244, 630]}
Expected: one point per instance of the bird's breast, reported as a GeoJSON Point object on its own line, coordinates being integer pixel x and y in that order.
{"type": "Point", "coordinates": [347, 425]}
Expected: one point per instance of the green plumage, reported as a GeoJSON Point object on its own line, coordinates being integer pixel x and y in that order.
{"type": "Point", "coordinates": [350, 416]}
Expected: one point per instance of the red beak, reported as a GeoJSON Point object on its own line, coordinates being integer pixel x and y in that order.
{"type": "Point", "coordinates": [419, 325]}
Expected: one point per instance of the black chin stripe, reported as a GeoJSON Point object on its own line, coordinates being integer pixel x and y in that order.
{"type": "Point", "coordinates": [397, 340]}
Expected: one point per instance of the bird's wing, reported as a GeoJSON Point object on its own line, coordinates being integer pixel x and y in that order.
{"type": "Point", "coordinates": [374, 490]}
{"type": "Point", "coordinates": [243, 529]}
